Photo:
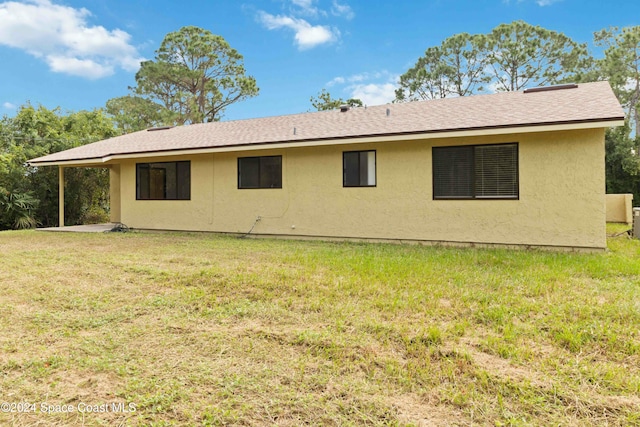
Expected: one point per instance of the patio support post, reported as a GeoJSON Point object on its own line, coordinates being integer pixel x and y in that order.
{"type": "Point", "coordinates": [60, 196]}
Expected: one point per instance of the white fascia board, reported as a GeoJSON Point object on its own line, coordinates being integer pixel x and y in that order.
{"type": "Point", "coordinates": [94, 162]}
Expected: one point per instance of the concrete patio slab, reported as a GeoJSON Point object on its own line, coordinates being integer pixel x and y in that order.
{"type": "Point", "coordinates": [88, 228]}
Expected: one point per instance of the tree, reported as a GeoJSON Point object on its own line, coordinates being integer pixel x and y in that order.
{"type": "Point", "coordinates": [195, 76]}
{"type": "Point", "coordinates": [622, 165]}
{"type": "Point", "coordinates": [521, 55]}
{"type": "Point", "coordinates": [133, 113]}
{"type": "Point", "coordinates": [621, 66]}
{"type": "Point", "coordinates": [511, 57]}
{"type": "Point", "coordinates": [454, 68]}
{"type": "Point", "coordinates": [324, 102]}
{"type": "Point", "coordinates": [29, 194]}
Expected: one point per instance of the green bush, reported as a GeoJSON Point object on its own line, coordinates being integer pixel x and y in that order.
{"type": "Point", "coordinates": [17, 210]}
{"type": "Point", "coordinates": [95, 215]}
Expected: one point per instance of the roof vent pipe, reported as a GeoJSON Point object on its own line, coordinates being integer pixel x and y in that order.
{"type": "Point", "coordinates": [159, 128]}
{"type": "Point", "coordinates": [553, 87]}
{"type": "Point", "coordinates": [388, 112]}
{"type": "Point", "coordinates": [344, 108]}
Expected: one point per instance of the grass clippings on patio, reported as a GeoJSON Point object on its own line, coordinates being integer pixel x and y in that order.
{"type": "Point", "coordinates": [196, 329]}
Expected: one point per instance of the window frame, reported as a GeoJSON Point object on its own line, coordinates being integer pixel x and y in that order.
{"type": "Point", "coordinates": [474, 195]}
{"type": "Point", "coordinates": [375, 169]}
{"type": "Point", "coordinates": [177, 183]}
{"type": "Point", "coordinates": [260, 186]}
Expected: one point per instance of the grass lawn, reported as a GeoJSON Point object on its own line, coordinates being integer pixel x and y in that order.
{"type": "Point", "coordinates": [197, 329]}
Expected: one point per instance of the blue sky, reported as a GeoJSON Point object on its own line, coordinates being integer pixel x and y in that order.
{"type": "Point", "coordinates": [78, 54]}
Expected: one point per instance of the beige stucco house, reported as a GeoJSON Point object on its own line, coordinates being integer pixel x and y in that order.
{"type": "Point", "coordinates": [516, 168]}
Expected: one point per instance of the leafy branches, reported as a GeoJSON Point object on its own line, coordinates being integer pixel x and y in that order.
{"type": "Point", "coordinates": [521, 55]}
{"type": "Point", "coordinates": [29, 194]}
{"type": "Point", "coordinates": [324, 102]}
{"type": "Point", "coordinates": [455, 68]}
{"type": "Point", "coordinates": [133, 113]}
{"type": "Point", "coordinates": [511, 57]}
{"type": "Point", "coordinates": [195, 76]}
{"type": "Point", "coordinates": [621, 66]}
{"type": "Point", "coordinates": [17, 210]}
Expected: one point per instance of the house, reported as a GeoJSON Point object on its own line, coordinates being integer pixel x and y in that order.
{"type": "Point", "coordinates": [515, 168]}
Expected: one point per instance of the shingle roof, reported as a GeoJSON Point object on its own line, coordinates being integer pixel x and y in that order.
{"type": "Point", "coordinates": [589, 102]}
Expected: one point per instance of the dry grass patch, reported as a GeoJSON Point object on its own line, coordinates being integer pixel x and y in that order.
{"type": "Point", "coordinates": [195, 329]}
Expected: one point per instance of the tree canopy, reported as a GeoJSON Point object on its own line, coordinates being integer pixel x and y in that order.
{"type": "Point", "coordinates": [520, 55]}
{"type": "Point", "coordinates": [194, 76]}
{"type": "Point", "coordinates": [324, 102]}
{"type": "Point", "coordinates": [621, 66]}
{"type": "Point", "coordinates": [511, 57]}
{"type": "Point", "coordinates": [28, 195]}
{"type": "Point", "coordinates": [132, 113]}
{"type": "Point", "coordinates": [456, 67]}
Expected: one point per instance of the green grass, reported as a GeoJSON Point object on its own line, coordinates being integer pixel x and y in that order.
{"type": "Point", "coordinates": [197, 329]}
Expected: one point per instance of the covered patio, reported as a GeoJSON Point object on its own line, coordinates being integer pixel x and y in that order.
{"type": "Point", "coordinates": [114, 199]}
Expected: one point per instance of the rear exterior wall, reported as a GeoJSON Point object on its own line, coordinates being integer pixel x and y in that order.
{"type": "Point", "coordinates": [561, 195]}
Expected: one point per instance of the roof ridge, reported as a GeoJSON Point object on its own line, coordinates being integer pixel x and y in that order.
{"type": "Point", "coordinates": [387, 105]}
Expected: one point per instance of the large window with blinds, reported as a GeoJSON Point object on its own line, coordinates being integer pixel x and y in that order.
{"type": "Point", "coordinates": [163, 181]}
{"type": "Point", "coordinates": [476, 172]}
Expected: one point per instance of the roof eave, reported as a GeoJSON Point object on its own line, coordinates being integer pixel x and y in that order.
{"type": "Point", "coordinates": [357, 139]}
{"type": "Point", "coordinates": [89, 162]}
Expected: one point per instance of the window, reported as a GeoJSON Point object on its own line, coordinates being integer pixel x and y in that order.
{"type": "Point", "coordinates": [476, 172]}
{"type": "Point", "coordinates": [359, 168]}
{"type": "Point", "coordinates": [260, 172]}
{"type": "Point", "coordinates": [163, 181]}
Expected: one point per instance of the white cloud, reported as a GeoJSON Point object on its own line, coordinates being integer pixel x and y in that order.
{"type": "Point", "coordinates": [9, 106]}
{"type": "Point", "coordinates": [363, 76]}
{"type": "Point", "coordinates": [78, 67]}
{"type": "Point", "coordinates": [336, 81]}
{"type": "Point", "coordinates": [307, 7]}
{"type": "Point", "coordinates": [357, 78]}
{"type": "Point", "coordinates": [306, 35]}
{"type": "Point", "coordinates": [374, 93]}
{"type": "Point", "coordinates": [342, 10]}
{"type": "Point", "coordinates": [305, 4]}
{"type": "Point", "coordinates": [62, 37]}
{"type": "Point", "coordinates": [372, 88]}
